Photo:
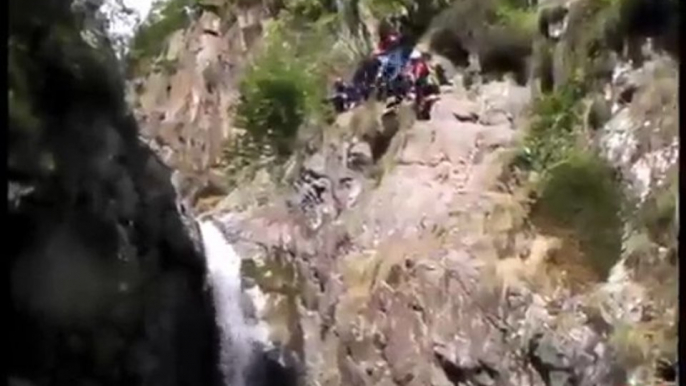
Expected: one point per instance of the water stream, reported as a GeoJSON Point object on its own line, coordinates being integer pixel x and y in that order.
{"type": "Point", "coordinates": [224, 270]}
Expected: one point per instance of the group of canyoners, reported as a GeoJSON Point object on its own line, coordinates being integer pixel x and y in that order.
{"type": "Point", "coordinates": [395, 71]}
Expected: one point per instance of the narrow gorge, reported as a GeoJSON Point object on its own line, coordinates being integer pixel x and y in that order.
{"type": "Point", "coordinates": [185, 210]}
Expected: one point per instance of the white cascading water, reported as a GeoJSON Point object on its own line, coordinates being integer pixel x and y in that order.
{"type": "Point", "coordinates": [224, 270]}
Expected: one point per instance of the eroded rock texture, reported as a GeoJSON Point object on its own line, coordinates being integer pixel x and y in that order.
{"type": "Point", "coordinates": [391, 281]}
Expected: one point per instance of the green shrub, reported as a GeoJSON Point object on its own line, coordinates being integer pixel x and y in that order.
{"type": "Point", "coordinates": [272, 108]}
{"type": "Point", "coordinates": [281, 91]}
{"type": "Point", "coordinates": [311, 10]}
{"type": "Point", "coordinates": [150, 38]}
{"type": "Point", "coordinates": [552, 133]}
{"type": "Point", "coordinates": [582, 194]}
{"type": "Point", "coordinates": [578, 190]}
{"type": "Point", "coordinates": [517, 15]}
{"type": "Point", "coordinates": [657, 215]}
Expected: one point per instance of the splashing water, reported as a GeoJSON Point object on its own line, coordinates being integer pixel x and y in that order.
{"type": "Point", "coordinates": [224, 269]}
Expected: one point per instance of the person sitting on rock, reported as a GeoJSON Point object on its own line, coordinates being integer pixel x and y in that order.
{"type": "Point", "coordinates": [339, 99]}
{"type": "Point", "coordinates": [388, 42]}
{"type": "Point", "coordinates": [344, 96]}
{"type": "Point", "coordinates": [364, 77]}
{"type": "Point", "coordinates": [423, 86]}
{"type": "Point", "coordinates": [388, 39]}
{"type": "Point", "coordinates": [419, 72]}
{"type": "Point", "coordinates": [434, 80]}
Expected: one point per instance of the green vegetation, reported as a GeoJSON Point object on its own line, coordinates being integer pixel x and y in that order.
{"type": "Point", "coordinates": [553, 132]}
{"type": "Point", "coordinates": [273, 104]}
{"type": "Point", "coordinates": [581, 194]}
{"type": "Point", "coordinates": [286, 86]}
{"type": "Point", "coordinates": [517, 15]}
{"type": "Point", "coordinates": [577, 190]}
{"type": "Point", "coordinates": [150, 40]}
{"type": "Point", "coordinates": [382, 8]}
{"type": "Point", "coordinates": [311, 10]}
{"type": "Point", "coordinates": [657, 215]}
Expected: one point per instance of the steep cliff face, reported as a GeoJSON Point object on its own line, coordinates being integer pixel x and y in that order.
{"type": "Point", "coordinates": [410, 253]}
{"type": "Point", "coordinates": [184, 102]}
{"type": "Point", "coordinates": [424, 267]}
{"type": "Point", "coordinates": [107, 277]}
{"type": "Point", "coordinates": [419, 278]}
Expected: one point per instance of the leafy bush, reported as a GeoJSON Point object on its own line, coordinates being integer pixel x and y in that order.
{"type": "Point", "coordinates": [281, 91]}
{"type": "Point", "coordinates": [516, 14]}
{"type": "Point", "coordinates": [150, 38]}
{"type": "Point", "coordinates": [578, 190]}
{"type": "Point", "coordinates": [311, 10]}
{"type": "Point", "coordinates": [582, 194]}
{"type": "Point", "coordinates": [552, 135]}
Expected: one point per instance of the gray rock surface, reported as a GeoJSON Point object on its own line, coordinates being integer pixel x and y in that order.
{"type": "Point", "coordinates": [392, 287]}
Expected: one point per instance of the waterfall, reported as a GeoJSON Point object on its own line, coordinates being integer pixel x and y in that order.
{"type": "Point", "coordinates": [224, 271]}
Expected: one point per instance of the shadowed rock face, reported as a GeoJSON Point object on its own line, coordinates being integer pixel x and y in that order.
{"type": "Point", "coordinates": [107, 286]}
{"type": "Point", "coordinates": [273, 367]}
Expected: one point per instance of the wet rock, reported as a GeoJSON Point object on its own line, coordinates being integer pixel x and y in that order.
{"type": "Point", "coordinates": [274, 366]}
{"type": "Point", "coordinates": [360, 156]}
{"type": "Point", "coordinates": [107, 281]}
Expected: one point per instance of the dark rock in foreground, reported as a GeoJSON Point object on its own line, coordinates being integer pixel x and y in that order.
{"type": "Point", "coordinates": [107, 286]}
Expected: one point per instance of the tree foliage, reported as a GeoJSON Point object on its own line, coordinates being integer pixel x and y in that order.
{"type": "Point", "coordinates": [151, 36]}
{"type": "Point", "coordinates": [282, 90]}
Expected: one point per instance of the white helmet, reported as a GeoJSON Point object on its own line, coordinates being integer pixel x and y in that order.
{"type": "Point", "coordinates": [415, 54]}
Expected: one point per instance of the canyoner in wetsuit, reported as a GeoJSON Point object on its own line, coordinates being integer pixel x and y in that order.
{"type": "Point", "coordinates": [344, 96]}
{"type": "Point", "coordinates": [339, 99]}
{"type": "Point", "coordinates": [423, 83]}
{"type": "Point", "coordinates": [365, 76]}
{"type": "Point", "coordinates": [377, 74]}
{"type": "Point", "coordinates": [370, 69]}
{"type": "Point", "coordinates": [392, 54]}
